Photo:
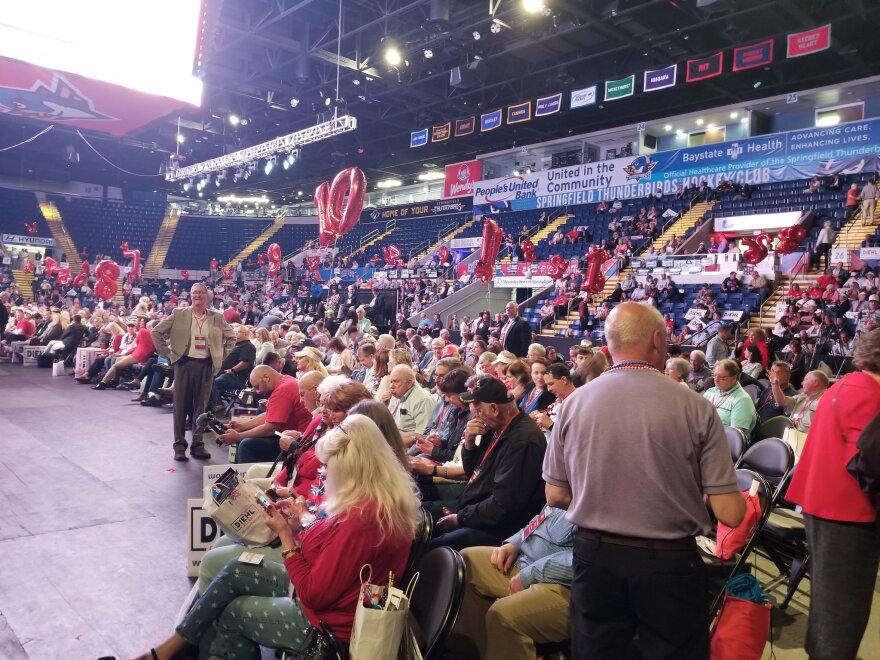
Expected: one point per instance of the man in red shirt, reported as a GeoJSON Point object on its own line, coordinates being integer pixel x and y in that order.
{"type": "Point", "coordinates": [230, 314]}
{"type": "Point", "coordinates": [24, 327]}
{"type": "Point", "coordinates": [284, 412]}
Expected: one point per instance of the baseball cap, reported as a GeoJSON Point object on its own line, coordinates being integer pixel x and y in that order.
{"type": "Point", "coordinates": [309, 352]}
{"type": "Point", "coordinates": [874, 297]}
{"type": "Point", "coordinates": [487, 390]}
{"type": "Point", "coordinates": [449, 351]}
{"type": "Point", "coordinates": [503, 359]}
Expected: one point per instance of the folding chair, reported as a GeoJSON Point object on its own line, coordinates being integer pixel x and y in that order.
{"type": "Point", "coordinates": [773, 427]}
{"type": "Point", "coordinates": [436, 599]}
{"type": "Point", "coordinates": [736, 442]}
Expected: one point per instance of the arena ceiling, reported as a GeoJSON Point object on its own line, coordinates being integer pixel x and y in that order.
{"type": "Point", "coordinates": [266, 53]}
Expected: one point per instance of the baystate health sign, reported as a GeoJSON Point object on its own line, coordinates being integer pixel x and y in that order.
{"type": "Point", "coordinates": [848, 148]}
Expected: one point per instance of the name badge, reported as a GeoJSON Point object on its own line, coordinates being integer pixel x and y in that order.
{"type": "Point", "coordinates": [200, 343]}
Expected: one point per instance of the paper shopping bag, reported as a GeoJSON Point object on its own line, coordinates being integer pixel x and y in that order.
{"type": "Point", "coordinates": [232, 503]}
{"type": "Point", "coordinates": [379, 621]}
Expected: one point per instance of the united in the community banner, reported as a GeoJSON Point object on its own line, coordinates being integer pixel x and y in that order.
{"type": "Point", "coordinates": [490, 120]}
{"type": "Point", "coordinates": [441, 132]}
{"type": "Point", "coordinates": [618, 89]}
{"type": "Point", "coordinates": [705, 67]}
{"type": "Point", "coordinates": [810, 41]}
{"type": "Point", "coordinates": [660, 78]}
{"type": "Point", "coordinates": [464, 126]}
{"type": "Point", "coordinates": [519, 112]}
{"type": "Point", "coordinates": [583, 97]}
{"type": "Point", "coordinates": [748, 57]}
{"type": "Point", "coordinates": [418, 138]}
{"type": "Point", "coordinates": [548, 105]}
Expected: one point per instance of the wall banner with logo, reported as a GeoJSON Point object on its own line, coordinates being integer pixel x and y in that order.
{"type": "Point", "coordinates": [748, 57]}
{"type": "Point", "coordinates": [660, 78]}
{"type": "Point", "coordinates": [441, 132]}
{"type": "Point", "coordinates": [36, 241]}
{"type": "Point", "coordinates": [583, 97]}
{"type": "Point", "coordinates": [490, 121]}
{"type": "Point", "coordinates": [809, 42]}
{"type": "Point", "coordinates": [548, 105]}
{"type": "Point", "coordinates": [464, 126]}
{"type": "Point", "coordinates": [705, 67]}
{"type": "Point", "coordinates": [418, 138]}
{"type": "Point", "coordinates": [418, 210]}
{"type": "Point", "coordinates": [461, 177]}
{"type": "Point", "coordinates": [519, 113]}
{"type": "Point", "coordinates": [619, 89]}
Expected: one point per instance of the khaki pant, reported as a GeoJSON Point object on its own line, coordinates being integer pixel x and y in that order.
{"type": "Point", "coordinates": [506, 627]}
{"type": "Point", "coordinates": [868, 207]}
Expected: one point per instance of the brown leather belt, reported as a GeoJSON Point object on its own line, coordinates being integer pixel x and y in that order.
{"type": "Point", "coordinates": [685, 543]}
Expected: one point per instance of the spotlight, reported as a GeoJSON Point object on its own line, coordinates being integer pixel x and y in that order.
{"type": "Point", "coordinates": [299, 193]}
{"type": "Point", "coordinates": [428, 53]}
{"type": "Point", "coordinates": [221, 177]}
{"type": "Point", "coordinates": [294, 101]}
{"type": "Point", "coordinates": [476, 35]}
{"type": "Point", "coordinates": [667, 128]}
{"type": "Point", "coordinates": [533, 6]}
{"type": "Point", "coordinates": [356, 81]}
{"type": "Point", "coordinates": [181, 138]}
{"type": "Point", "coordinates": [389, 183]}
{"type": "Point", "coordinates": [734, 115]}
{"type": "Point", "coordinates": [270, 165]}
{"type": "Point", "coordinates": [699, 122]}
{"type": "Point", "coordinates": [238, 176]}
{"type": "Point", "coordinates": [328, 101]}
{"type": "Point", "coordinates": [393, 56]}
{"type": "Point", "coordinates": [187, 185]}
{"type": "Point", "coordinates": [234, 120]}
{"type": "Point", "coordinates": [495, 28]}
{"type": "Point", "coordinates": [546, 11]}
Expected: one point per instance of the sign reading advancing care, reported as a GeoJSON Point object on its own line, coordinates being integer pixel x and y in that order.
{"type": "Point", "coordinates": [418, 210]}
{"type": "Point", "coordinates": [202, 531]}
{"type": "Point", "coordinates": [757, 221]}
{"type": "Point", "coordinates": [18, 239]}
{"type": "Point", "coordinates": [847, 149]}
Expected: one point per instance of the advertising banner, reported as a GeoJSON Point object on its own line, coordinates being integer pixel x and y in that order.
{"type": "Point", "coordinates": [418, 138]}
{"type": "Point", "coordinates": [202, 532]}
{"type": "Point", "coordinates": [464, 126]}
{"type": "Point", "coordinates": [660, 78]}
{"type": "Point", "coordinates": [869, 253]}
{"type": "Point", "coordinates": [748, 57]}
{"type": "Point", "coordinates": [757, 221]}
{"type": "Point", "coordinates": [461, 177]}
{"type": "Point", "coordinates": [583, 97]}
{"type": "Point", "coordinates": [548, 105]}
{"type": "Point", "coordinates": [18, 239]}
{"type": "Point", "coordinates": [441, 132]}
{"type": "Point", "coordinates": [809, 42]}
{"type": "Point", "coordinates": [705, 67]}
{"type": "Point", "coordinates": [490, 121]}
{"type": "Point", "coordinates": [618, 89]}
{"type": "Point", "coordinates": [519, 113]}
{"type": "Point", "coordinates": [846, 149]}
{"type": "Point", "coordinates": [418, 210]}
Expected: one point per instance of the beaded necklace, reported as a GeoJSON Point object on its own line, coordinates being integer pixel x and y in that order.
{"type": "Point", "coordinates": [631, 364]}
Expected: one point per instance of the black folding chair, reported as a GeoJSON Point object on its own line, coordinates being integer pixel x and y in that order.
{"type": "Point", "coordinates": [773, 428]}
{"type": "Point", "coordinates": [419, 545]}
{"type": "Point", "coordinates": [773, 459]}
{"type": "Point", "coordinates": [436, 599]}
{"type": "Point", "coordinates": [736, 441]}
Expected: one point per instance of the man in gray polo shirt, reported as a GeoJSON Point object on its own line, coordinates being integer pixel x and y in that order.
{"type": "Point", "coordinates": [634, 486]}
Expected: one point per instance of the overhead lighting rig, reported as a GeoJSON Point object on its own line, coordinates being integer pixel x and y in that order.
{"type": "Point", "coordinates": [328, 129]}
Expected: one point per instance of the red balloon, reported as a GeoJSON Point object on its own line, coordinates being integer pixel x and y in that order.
{"type": "Point", "coordinates": [135, 256]}
{"type": "Point", "coordinates": [312, 263]}
{"type": "Point", "coordinates": [63, 276]}
{"type": "Point", "coordinates": [50, 265]}
{"type": "Point", "coordinates": [758, 248]}
{"type": "Point", "coordinates": [184, 273]}
{"type": "Point", "coordinates": [443, 253]}
{"type": "Point", "coordinates": [492, 236]}
{"type": "Point", "coordinates": [273, 253]}
{"type": "Point", "coordinates": [391, 253]}
{"type": "Point", "coordinates": [29, 267]}
{"type": "Point", "coordinates": [558, 266]}
{"type": "Point", "coordinates": [83, 276]}
{"type": "Point", "coordinates": [337, 215]}
{"type": "Point", "coordinates": [528, 250]}
{"type": "Point", "coordinates": [107, 272]}
{"type": "Point", "coordinates": [595, 280]}
{"type": "Point", "coordinates": [790, 239]}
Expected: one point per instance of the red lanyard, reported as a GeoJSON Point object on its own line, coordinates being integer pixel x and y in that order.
{"type": "Point", "coordinates": [201, 324]}
{"type": "Point", "coordinates": [491, 448]}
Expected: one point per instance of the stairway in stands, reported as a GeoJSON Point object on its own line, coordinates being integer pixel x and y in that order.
{"type": "Point", "coordinates": [363, 248]}
{"type": "Point", "coordinates": [542, 234]}
{"type": "Point", "coordinates": [257, 243]}
{"type": "Point", "coordinates": [60, 234]}
{"type": "Point", "coordinates": [677, 228]}
{"type": "Point", "coordinates": [156, 258]}
{"type": "Point", "coordinates": [23, 280]}
{"type": "Point", "coordinates": [445, 239]}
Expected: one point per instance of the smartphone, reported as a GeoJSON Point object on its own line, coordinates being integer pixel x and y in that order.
{"type": "Point", "coordinates": [263, 500]}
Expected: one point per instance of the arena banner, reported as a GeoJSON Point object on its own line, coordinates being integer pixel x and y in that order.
{"type": "Point", "coordinates": [464, 126]}
{"type": "Point", "coordinates": [442, 132]}
{"type": "Point", "coordinates": [418, 210]}
{"type": "Point", "coordinates": [660, 78]}
{"type": "Point", "coordinates": [809, 42]}
{"type": "Point", "coordinates": [418, 138]}
{"type": "Point", "coordinates": [519, 112]}
{"type": "Point", "coordinates": [705, 67]}
{"type": "Point", "coordinates": [581, 98]}
{"type": "Point", "coordinates": [202, 532]}
{"type": "Point", "coordinates": [19, 239]}
{"type": "Point", "coordinates": [548, 105]}
{"type": "Point", "coordinates": [32, 92]}
{"type": "Point", "coordinates": [490, 120]}
{"type": "Point", "coordinates": [619, 89]}
{"type": "Point", "coordinates": [461, 177]}
{"type": "Point", "coordinates": [846, 149]}
{"type": "Point", "coordinates": [748, 57]}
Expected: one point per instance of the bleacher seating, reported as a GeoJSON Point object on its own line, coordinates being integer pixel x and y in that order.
{"type": "Point", "coordinates": [102, 226]}
{"type": "Point", "coordinates": [199, 239]}
{"type": "Point", "coordinates": [17, 208]}
{"type": "Point", "coordinates": [415, 233]}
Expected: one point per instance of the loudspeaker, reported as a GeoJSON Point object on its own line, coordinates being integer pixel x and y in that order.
{"type": "Point", "coordinates": [462, 76]}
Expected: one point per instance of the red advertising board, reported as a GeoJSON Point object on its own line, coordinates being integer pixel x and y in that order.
{"type": "Point", "coordinates": [461, 177]}
{"type": "Point", "coordinates": [67, 99]}
{"type": "Point", "coordinates": [810, 41]}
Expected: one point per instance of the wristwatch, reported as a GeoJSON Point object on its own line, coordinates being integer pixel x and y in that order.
{"type": "Point", "coordinates": [290, 551]}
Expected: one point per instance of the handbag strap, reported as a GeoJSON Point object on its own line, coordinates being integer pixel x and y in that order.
{"type": "Point", "coordinates": [836, 411]}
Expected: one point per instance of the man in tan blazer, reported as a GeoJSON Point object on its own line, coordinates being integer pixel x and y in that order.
{"type": "Point", "coordinates": [195, 339]}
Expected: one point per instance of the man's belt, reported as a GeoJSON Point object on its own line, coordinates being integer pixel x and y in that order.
{"type": "Point", "coordinates": [186, 358]}
{"type": "Point", "coordinates": [685, 543]}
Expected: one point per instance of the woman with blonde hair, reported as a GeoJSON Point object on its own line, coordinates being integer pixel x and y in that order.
{"type": "Point", "coordinates": [263, 342]}
{"type": "Point", "coordinates": [309, 359]}
{"type": "Point", "coordinates": [142, 309]}
{"type": "Point", "coordinates": [370, 517]}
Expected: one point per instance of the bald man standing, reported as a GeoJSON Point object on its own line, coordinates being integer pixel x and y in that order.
{"type": "Point", "coordinates": [196, 339]}
{"type": "Point", "coordinates": [633, 484]}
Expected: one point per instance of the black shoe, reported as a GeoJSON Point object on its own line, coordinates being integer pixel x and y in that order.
{"type": "Point", "coordinates": [100, 386]}
{"type": "Point", "coordinates": [152, 402]}
{"type": "Point", "coordinates": [180, 455]}
{"type": "Point", "coordinates": [200, 453]}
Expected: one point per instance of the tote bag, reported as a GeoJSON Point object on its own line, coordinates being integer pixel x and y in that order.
{"type": "Point", "coordinates": [232, 503]}
{"type": "Point", "coordinates": [380, 619]}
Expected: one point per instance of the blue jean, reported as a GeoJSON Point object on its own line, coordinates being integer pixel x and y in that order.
{"type": "Point", "coordinates": [463, 537]}
{"type": "Point", "coordinates": [223, 382]}
{"type": "Point", "coordinates": [250, 607]}
{"type": "Point", "coordinates": [156, 379]}
{"type": "Point", "coordinates": [257, 450]}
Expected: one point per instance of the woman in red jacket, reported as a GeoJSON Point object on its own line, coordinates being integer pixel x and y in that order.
{"type": "Point", "coordinates": [141, 352]}
{"type": "Point", "coordinates": [841, 520]}
{"type": "Point", "coordinates": [372, 511]}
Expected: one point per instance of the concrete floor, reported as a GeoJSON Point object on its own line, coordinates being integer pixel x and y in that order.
{"type": "Point", "coordinates": [93, 527]}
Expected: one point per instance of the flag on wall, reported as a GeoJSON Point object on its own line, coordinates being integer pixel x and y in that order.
{"type": "Point", "coordinates": [441, 132]}
{"type": "Point", "coordinates": [748, 57]}
{"type": "Point", "coordinates": [548, 105]}
{"type": "Point", "coordinates": [464, 126]}
{"type": "Point", "coordinates": [618, 89]}
{"type": "Point", "coordinates": [490, 120]}
{"type": "Point", "coordinates": [519, 112]}
{"type": "Point", "coordinates": [705, 67]}
{"type": "Point", "coordinates": [810, 41]}
{"type": "Point", "coordinates": [660, 78]}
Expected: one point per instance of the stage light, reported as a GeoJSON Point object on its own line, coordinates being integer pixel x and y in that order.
{"type": "Point", "coordinates": [238, 176]}
{"type": "Point", "coordinates": [476, 35]}
{"type": "Point", "coordinates": [495, 28]}
{"type": "Point", "coordinates": [234, 120]}
{"type": "Point", "coordinates": [393, 56]}
{"type": "Point", "coordinates": [667, 128]}
{"type": "Point", "coordinates": [433, 175]}
{"type": "Point", "coordinates": [299, 193]}
{"type": "Point", "coordinates": [734, 115]}
{"type": "Point", "coordinates": [389, 183]}
{"type": "Point", "coordinates": [428, 53]}
{"type": "Point", "coordinates": [533, 6]}
{"type": "Point", "coordinates": [187, 185]}
{"type": "Point", "coordinates": [294, 101]}
{"type": "Point", "coordinates": [546, 11]}
{"type": "Point", "coordinates": [270, 165]}
{"type": "Point", "coordinates": [699, 122]}
{"type": "Point", "coordinates": [356, 81]}
{"type": "Point", "coordinates": [181, 138]}
{"type": "Point", "coordinates": [516, 173]}
{"type": "Point", "coordinates": [220, 178]}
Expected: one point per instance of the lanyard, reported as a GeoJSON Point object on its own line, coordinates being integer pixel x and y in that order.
{"type": "Point", "coordinates": [200, 324]}
{"type": "Point", "coordinates": [491, 448]}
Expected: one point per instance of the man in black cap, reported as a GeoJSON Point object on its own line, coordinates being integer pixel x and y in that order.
{"type": "Point", "coordinates": [502, 455]}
